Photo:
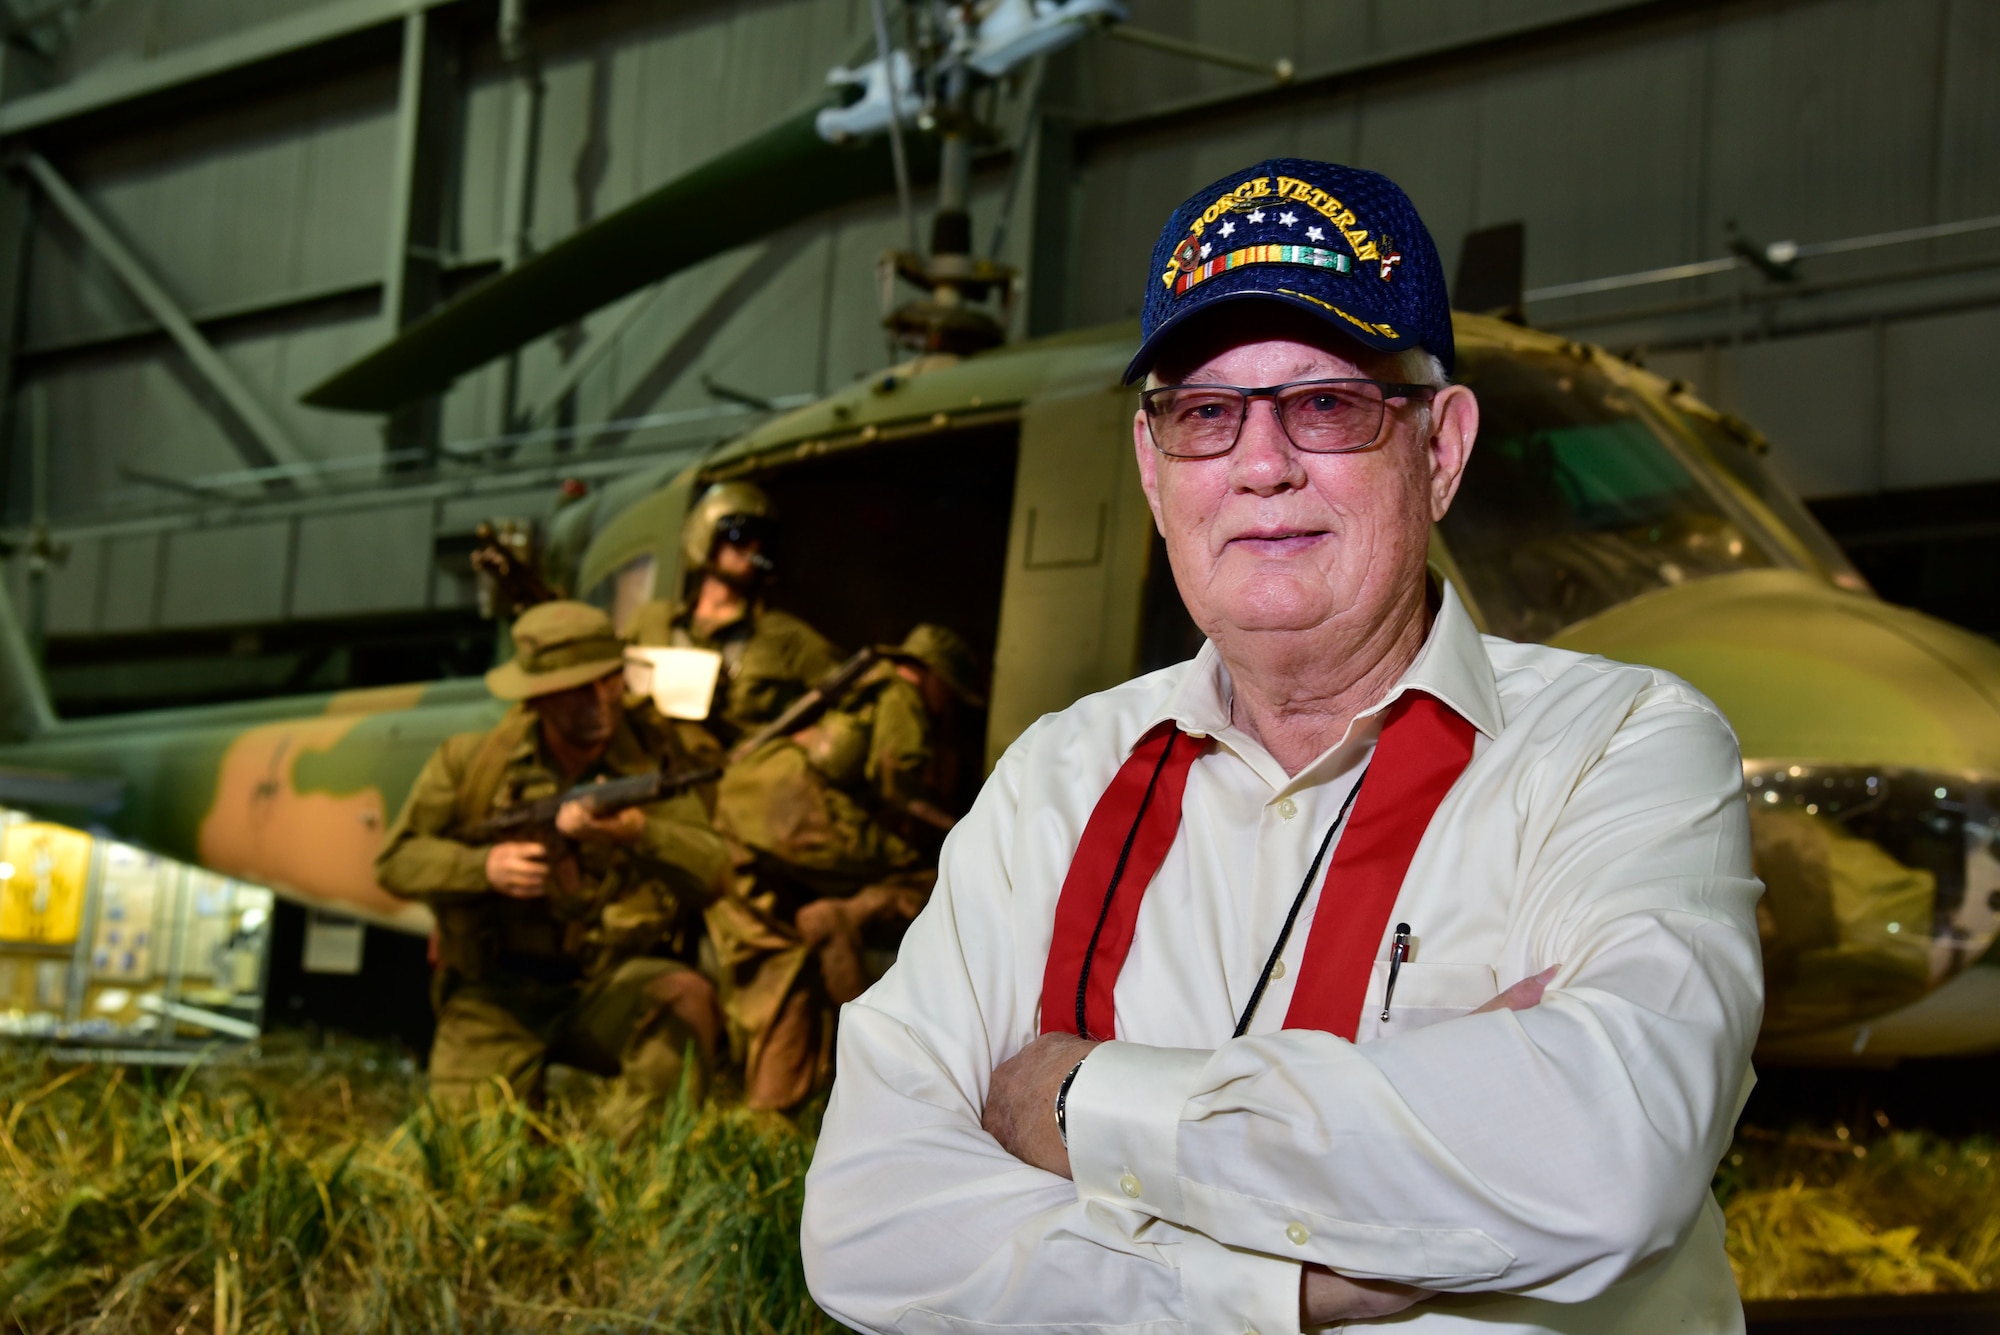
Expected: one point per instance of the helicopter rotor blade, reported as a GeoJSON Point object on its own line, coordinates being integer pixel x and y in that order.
{"type": "Point", "coordinates": [783, 175]}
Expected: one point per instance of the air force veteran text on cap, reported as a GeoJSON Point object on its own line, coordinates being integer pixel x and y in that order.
{"type": "Point", "coordinates": [1343, 244]}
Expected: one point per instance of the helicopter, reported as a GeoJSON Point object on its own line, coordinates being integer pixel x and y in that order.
{"type": "Point", "coordinates": [992, 486]}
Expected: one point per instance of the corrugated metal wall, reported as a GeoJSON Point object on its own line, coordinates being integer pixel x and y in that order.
{"type": "Point", "coordinates": [1626, 136]}
{"type": "Point", "coordinates": [1637, 147]}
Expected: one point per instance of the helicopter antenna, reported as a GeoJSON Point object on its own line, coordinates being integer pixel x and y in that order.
{"type": "Point", "coordinates": [1277, 71]}
{"type": "Point", "coordinates": [880, 11]}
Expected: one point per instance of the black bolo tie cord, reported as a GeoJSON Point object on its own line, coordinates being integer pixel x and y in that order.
{"type": "Point", "coordinates": [1298, 902]}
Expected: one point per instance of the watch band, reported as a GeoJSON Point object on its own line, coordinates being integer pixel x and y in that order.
{"type": "Point", "coordinates": [1062, 1103]}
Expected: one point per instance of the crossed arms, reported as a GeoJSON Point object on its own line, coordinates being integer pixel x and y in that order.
{"type": "Point", "coordinates": [1545, 1152]}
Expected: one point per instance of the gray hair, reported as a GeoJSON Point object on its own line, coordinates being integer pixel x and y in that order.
{"type": "Point", "coordinates": [1417, 367]}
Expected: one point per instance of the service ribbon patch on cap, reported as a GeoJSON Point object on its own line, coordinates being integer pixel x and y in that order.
{"type": "Point", "coordinates": [1279, 254]}
{"type": "Point", "coordinates": [1194, 259]}
{"type": "Point", "coordinates": [1337, 242]}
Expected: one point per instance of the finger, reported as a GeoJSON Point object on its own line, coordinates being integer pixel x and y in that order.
{"type": "Point", "coordinates": [1523, 995]}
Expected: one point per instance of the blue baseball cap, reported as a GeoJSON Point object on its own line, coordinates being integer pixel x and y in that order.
{"type": "Point", "coordinates": [1336, 242]}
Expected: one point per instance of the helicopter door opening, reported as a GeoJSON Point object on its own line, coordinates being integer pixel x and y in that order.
{"type": "Point", "coordinates": [873, 542]}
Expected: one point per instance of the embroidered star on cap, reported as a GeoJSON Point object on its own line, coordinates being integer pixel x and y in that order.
{"type": "Point", "coordinates": [1366, 267]}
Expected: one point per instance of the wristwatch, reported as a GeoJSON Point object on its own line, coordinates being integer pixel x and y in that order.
{"type": "Point", "coordinates": [1062, 1103]}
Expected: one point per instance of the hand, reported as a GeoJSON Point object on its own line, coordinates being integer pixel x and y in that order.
{"type": "Point", "coordinates": [578, 821]}
{"type": "Point", "coordinates": [1021, 1101]}
{"type": "Point", "coordinates": [1325, 1297]}
{"type": "Point", "coordinates": [821, 921]}
{"type": "Point", "coordinates": [519, 871]}
{"type": "Point", "coordinates": [1523, 995]}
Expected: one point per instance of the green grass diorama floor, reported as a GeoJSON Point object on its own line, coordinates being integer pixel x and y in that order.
{"type": "Point", "coordinates": [315, 1190]}
{"type": "Point", "coordinates": [1823, 1212]}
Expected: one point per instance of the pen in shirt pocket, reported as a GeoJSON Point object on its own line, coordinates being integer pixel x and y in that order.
{"type": "Point", "coordinates": [1399, 950]}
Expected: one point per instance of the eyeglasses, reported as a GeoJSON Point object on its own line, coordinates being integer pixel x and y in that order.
{"type": "Point", "coordinates": [1317, 416]}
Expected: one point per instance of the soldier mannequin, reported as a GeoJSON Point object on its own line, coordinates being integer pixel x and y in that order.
{"type": "Point", "coordinates": [842, 820]}
{"type": "Point", "coordinates": [769, 658]}
{"type": "Point", "coordinates": [560, 959]}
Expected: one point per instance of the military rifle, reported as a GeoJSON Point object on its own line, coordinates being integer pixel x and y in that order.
{"type": "Point", "coordinates": [588, 929]}
{"type": "Point", "coordinates": [808, 706]}
{"type": "Point", "coordinates": [532, 822]}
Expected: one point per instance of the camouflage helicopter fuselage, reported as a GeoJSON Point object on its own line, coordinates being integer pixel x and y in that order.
{"type": "Point", "coordinates": [1606, 511]}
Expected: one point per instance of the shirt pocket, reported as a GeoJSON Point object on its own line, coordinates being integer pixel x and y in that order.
{"type": "Point", "coordinates": [1426, 994]}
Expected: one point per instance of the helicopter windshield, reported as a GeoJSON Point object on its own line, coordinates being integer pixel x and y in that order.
{"type": "Point", "coordinates": [1576, 501]}
{"type": "Point", "coordinates": [1729, 443]}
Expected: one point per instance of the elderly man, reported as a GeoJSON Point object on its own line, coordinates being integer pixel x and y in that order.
{"type": "Point", "coordinates": [1255, 905]}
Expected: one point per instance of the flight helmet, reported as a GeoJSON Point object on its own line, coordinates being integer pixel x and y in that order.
{"type": "Point", "coordinates": [732, 511]}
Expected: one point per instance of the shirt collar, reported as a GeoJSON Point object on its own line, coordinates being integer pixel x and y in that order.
{"type": "Point", "coordinates": [1452, 666]}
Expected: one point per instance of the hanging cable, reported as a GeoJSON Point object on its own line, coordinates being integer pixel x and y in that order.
{"type": "Point", "coordinates": [879, 9]}
{"type": "Point", "coordinates": [1031, 120]}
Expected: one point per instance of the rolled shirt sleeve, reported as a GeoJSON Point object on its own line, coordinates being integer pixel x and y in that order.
{"type": "Point", "coordinates": [417, 861]}
{"type": "Point", "coordinates": [679, 840]}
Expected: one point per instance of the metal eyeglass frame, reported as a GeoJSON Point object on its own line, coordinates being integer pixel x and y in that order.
{"type": "Point", "coordinates": [1390, 390]}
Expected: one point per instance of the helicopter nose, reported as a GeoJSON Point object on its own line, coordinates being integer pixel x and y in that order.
{"type": "Point", "coordinates": [1871, 758]}
{"type": "Point", "coordinates": [1806, 671]}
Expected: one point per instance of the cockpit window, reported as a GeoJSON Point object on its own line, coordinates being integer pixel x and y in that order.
{"type": "Point", "coordinates": [1576, 501]}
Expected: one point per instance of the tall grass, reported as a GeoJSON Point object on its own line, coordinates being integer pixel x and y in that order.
{"type": "Point", "coordinates": [1814, 1214]}
{"type": "Point", "coordinates": [320, 1192]}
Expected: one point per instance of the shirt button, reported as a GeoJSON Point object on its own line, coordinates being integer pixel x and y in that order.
{"type": "Point", "coordinates": [1287, 808]}
{"type": "Point", "coordinates": [1277, 970]}
{"type": "Point", "coordinates": [1129, 1185]}
{"type": "Point", "coordinates": [1194, 736]}
{"type": "Point", "coordinates": [1297, 1233]}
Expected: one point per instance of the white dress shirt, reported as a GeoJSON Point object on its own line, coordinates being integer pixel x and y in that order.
{"type": "Point", "coordinates": [1546, 1170]}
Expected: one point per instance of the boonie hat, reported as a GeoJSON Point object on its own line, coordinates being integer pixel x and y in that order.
{"type": "Point", "coordinates": [557, 646]}
{"type": "Point", "coordinates": [945, 652]}
{"type": "Point", "coordinates": [1338, 243]}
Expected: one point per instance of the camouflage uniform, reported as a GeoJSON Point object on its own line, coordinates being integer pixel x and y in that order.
{"type": "Point", "coordinates": [769, 659]}
{"type": "Point", "coordinates": [836, 863]}
{"type": "Point", "coordinates": [589, 973]}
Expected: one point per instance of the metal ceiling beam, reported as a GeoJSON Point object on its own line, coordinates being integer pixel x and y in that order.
{"type": "Point", "coordinates": [1506, 32]}
{"type": "Point", "coordinates": [205, 60]}
{"type": "Point", "coordinates": [132, 272]}
{"type": "Point", "coordinates": [413, 280]}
